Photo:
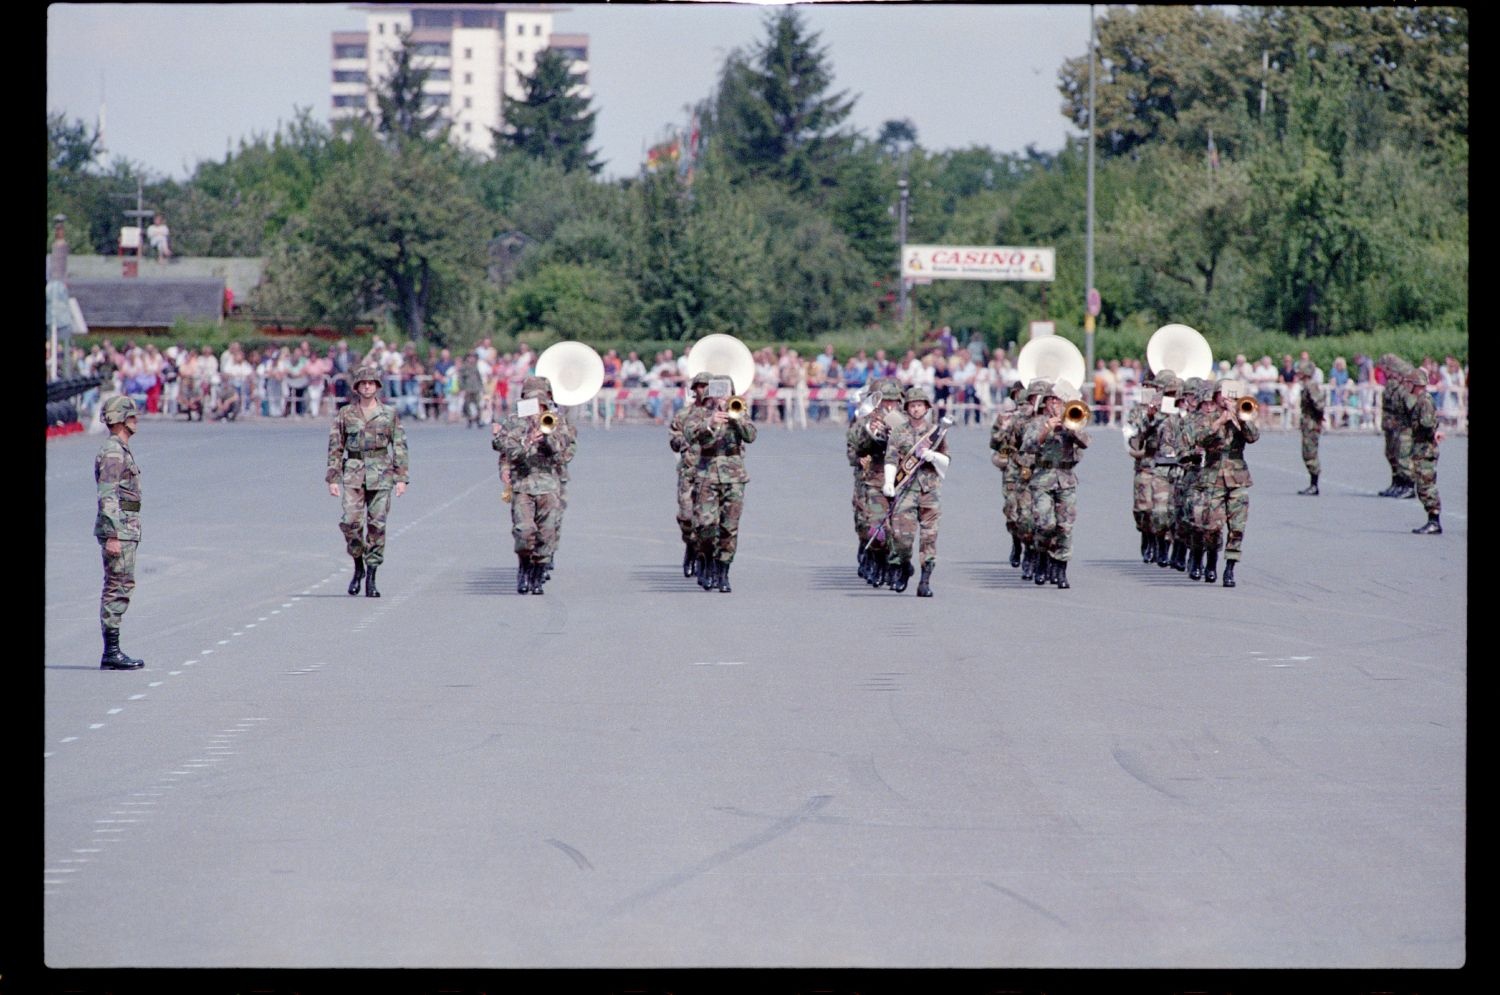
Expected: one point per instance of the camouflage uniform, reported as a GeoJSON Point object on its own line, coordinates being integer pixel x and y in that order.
{"type": "Point", "coordinates": [117, 480]}
{"type": "Point", "coordinates": [721, 490]}
{"type": "Point", "coordinates": [1393, 406]}
{"type": "Point", "coordinates": [1421, 415]}
{"type": "Point", "coordinates": [1199, 496]}
{"type": "Point", "coordinates": [1229, 483]}
{"type": "Point", "coordinates": [1019, 472]}
{"type": "Point", "coordinates": [1185, 480]}
{"type": "Point", "coordinates": [1166, 446]}
{"type": "Point", "coordinates": [471, 383]}
{"type": "Point", "coordinates": [1054, 486]}
{"type": "Point", "coordinates": [1313, 404]}
{"type": "Point", "coordinates": [865, 446]}
{"type": "Point", "coordinates": [367, 458]}
{"type": "Point", "coordinates": [918, 504]}
{"type": "Point", "coordinates": [1140, 443]}
{"type": "Point", "coordinates": [537, 467]}
{"type": "Point", "coordinates": [687, 465]}
{"type": "Point", "coordinates": [1005, 441]}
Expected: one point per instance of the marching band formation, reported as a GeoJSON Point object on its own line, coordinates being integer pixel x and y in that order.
{"type": "Point", "coordinates": [1187, 435]}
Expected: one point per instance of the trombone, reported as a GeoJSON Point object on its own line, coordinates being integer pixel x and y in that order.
{"type": "Point", "coordinates": [1075, 415]}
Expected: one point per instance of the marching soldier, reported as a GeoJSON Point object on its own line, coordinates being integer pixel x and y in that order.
{"type": "Point", "coordinates": [721, 437]}
{"type": "Point", "coordinates": [1167, 445]}
{"type": "Point", "coordinates": [865, 444]}
{"type": "Point", "coordinates": [1189, 462]}
{"type": "Point", "coordinates": [1197, 482]}
{"type": "Point", "coordinates": [1022, 466]}
{"type": "Point", "coordinates": [919, 450]}
{"type": "Point", "coordinates": [537, 443]}
{"type": "Point", "coordinates": [1421, 416]}
{"type": "Point", "coordinates": [367, 455]}
{"type": "Point", "coordinates": [1223, 437]}
{"type": "Point", "coordinates": [687, 470]}
{"type": "Point", "coordinates": [1054, 486]}
{"type": "Point", "coordinates": [471, 383]}
{"type": "Point", "coordinates": [1004, 440]}
{"type": "Point", "coordinates": [117, 525]}
{"type": "Point", "coordinates": [1140, 443]}
{"type": "Point", "coordinates": [1313, 405]}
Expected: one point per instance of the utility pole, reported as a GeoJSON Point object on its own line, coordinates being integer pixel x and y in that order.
{"type": "Point", "coordinates": [904, 188]}
{"type": "Point", "coordinates": [1091, 303]}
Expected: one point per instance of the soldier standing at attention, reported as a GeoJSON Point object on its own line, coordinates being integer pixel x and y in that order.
{"type": "Point", "coordinates": [471, 382]}
{"type": "Point", "coordinates": [1223, 437]}
{"type": "Point", "coordinates": [537, 443]}
{"type": "Point", "coordinates": [1421, 416]}
{"type": "Point", "coordinates": [1397, 434]}
{"type": "Point", "coordinates": [367, 455]}
{"type": "Point", "coordinates": [926, 444]}
{"type": "Point", "coordinates": [1313, 404]}
{"type": "Point", "coordinates": [1054, 485]}
{"type": "Point", "coordinates": [721, 438]}
{"type": "Point", "coordinates": [687, 470]}
{"type": "Point", "coordinates": [118, 525]}
{"type": "Point", "coordinates": [865, 444]}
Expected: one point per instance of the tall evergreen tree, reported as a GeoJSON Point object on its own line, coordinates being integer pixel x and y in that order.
{"type": "Point", "coordinates": [773, 111]}
{"type": "Point", "coordinates": [404, 111]}
{"type": "Point", "coordinates": [553, 122]}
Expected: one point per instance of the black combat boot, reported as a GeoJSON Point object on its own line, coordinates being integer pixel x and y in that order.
{"type": "Point", "coordinates": [1062, 575]}
{"type": "Point", "coordinates": [689, 561]}
{"type": "Point", "coordinates": [1195, 562]}
{"type": "Point", "coordinates": [1408, 489]}
{"type": "Point", "coordinates": [359, 575]}
{"type": "Point", "coordinates": [724, 577]}
{"type": "Point", "coordinates": [1028, 561]}
{"type": "Point", "coordinates": [1015, 551]}
{"type": "Point", "coordinates": [1179, 555]}
{"type": "Point", "coordinates": [1229, 572]}
{"type": "Point", "coordinates": [547, 569]}
{"type": "Point", "coordinates": [1211, 570]}
{"type": "Point", "coordinates": [1311, 490]}
{"type": "Point", "coordinates": [370, 591]}
{"type": "Point", "coordinates": [538, 576]}
{"type": "Point", "coordinates": [708, 574]}
{"type": "Point", "coordinates": [924, 589]}
{"type": "Point", "coordinates": [1163, 551]}
{"type": "Point", "coordinates": [1042, 573]}
{"type": "Point", "coordinates": [1148, 547]}
{"type": "Point", "coordinates": [112, 658]}
{"type": "Point", "coordinates": [1432, 528]}
{"type": "Point", "coordinates": [523, 575]}
{"type": "Point", "coordinates": [703, 569]}
{"type": "Point", "coordinates": [903, 576]}
{"type": "Point", "coordinates": [1392, 488]}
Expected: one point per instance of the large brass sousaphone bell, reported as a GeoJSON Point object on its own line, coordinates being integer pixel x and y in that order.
{"type": "Point", "coordinates": [1182, 350]}
{"type": "Point", "coordinates": [722, 355]}
{"type": "Point", "coordinates": [1058, 361]}
{"type": "Point", "coordinates": [575, 371]}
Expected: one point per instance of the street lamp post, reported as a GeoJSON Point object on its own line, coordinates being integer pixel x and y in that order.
{"type": "Point", "coordinates": [1088, 278]}
{"type": "Point", "coordinates": [904, 188]}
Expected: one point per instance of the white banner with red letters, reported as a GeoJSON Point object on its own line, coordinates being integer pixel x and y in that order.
{"type": "Point", "coordinates": [978, 262]}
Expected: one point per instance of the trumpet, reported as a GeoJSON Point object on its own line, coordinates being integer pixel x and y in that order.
{"type": "Point", "coordinates": [547, 423]}
{"type": "Point", "coordinates": [1246, 407]}
{"type": "Point", "coordinates": [1075, 415]}
{"type": "Point", "coordinates": [736, 407]}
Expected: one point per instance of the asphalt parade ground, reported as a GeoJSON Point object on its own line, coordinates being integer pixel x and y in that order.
{"type": "Point", "coordinates": [630, 772]}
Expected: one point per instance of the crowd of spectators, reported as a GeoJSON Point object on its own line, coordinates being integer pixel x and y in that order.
{"type": "Point", "coordinates": [967, 381]}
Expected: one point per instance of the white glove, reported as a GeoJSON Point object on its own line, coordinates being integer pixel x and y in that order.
{"type": "Point", "coordinates": [938, 460]}
{"type": "Point", "coordinates": [889, 489]}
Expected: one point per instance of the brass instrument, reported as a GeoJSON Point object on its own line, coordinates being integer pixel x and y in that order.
{"type": "Point", "coordinates": [575, 371]}
{"type": "Point", "coordinates": [1075, 415]}
{"type": "Point", "coordinates": [722, 355]}
{"type": "Point", "coordinates": [1182, 350]}
{"type": "Point", "coordinates": [736, 407]}
{"type": "Point", "coordinates": [547, 423]}
{"type": "Point", "coordinates": [1247, 408]}
{"type": "Point", "coordinates": [1051, 358]}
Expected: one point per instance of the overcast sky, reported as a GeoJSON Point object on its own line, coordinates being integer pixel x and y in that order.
{"type": "Point", "coordinates": [182, 83]}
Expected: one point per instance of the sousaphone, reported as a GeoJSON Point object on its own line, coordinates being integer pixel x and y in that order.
{"type": "Point", "coordinates": [1182, 350]}
{"type": "Point", "coordinates": [1051, 358]}
{"type": "Point", "coordinates": [722, 355]}
{"type": "Point", "coordinates": [575, 371]}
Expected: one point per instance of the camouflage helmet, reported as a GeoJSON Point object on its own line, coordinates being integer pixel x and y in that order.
{"type": "Point", "coordinates": [1167, 383]}
{"type": "Point", "coordinates": [117, 409]}
{"type": "Point", "coordinates": [1307, 369]}
{"type": "Point", "coordinates": [364, 373]}
{"type": "Point", "coordinates": [1192, 386]}
{"type": "Point", "coordinates": [539, 387]}
{"type": "Point", "coordinates": [1037, 389]}
{"type": "Point", "coordinates": [889, 390]}
{"type": "Point", "coordinates": [1017, 391]}
{"type": "Point", "coordinates": [916, 393]}
{"type": "Point", "coordinates": [1206, 390]}
{"type": "Point", "coordinates": [700, 379]}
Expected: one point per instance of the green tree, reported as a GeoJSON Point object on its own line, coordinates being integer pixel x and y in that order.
{"type": "Point", "coordinates": [553, 121]}
{"type": "Point", "coordinates": [404, 111]}
{"type": "Point", "coordinates": [773, 114]}
{"type": "Point", "coordinates": [572, 301]}
{"type": "Point", "coordinates": [392, 233]}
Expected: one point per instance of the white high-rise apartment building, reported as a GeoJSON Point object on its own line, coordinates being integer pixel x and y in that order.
{"type": "Point", "coordinates": [473, 52]}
